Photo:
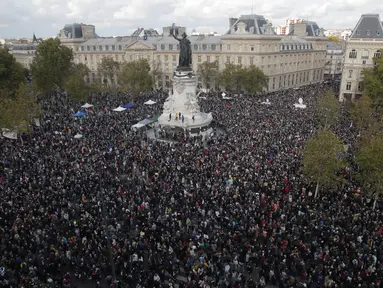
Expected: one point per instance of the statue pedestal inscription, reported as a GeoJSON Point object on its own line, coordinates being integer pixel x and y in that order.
{"type": "Point", "coordinates": [183, 100]}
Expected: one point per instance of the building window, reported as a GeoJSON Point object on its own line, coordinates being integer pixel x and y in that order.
{"type": "Point", "coordinates": [252, 48]}
{"type": "Point", "coordinates": [174, 58]}
{"type": "Point", "coordinates": [199, 58]}
{"type": "Point", "coordinates": [368, 33]}
{"type": "Point", "coordinates": [82, 48]}
{"type": "Point", "coordinates": [204, 46]}
{"type": "Point", "coordinates": [239, 60]}
{"type": "Point", "coordinates": [86, 58]}
{"type": "Point", "coordinates": [228, 47]}
{"type": "Point", "coordinates": [352, 54]}
{"type": "Point", "coordinates": [87, 48]}
{"type": "Point", "coordinates": [348, 86]}
{"type": "Point", "coordinates": [377, 54]}
{"type": "Point", "coordinates": [119, 47]}
{"type": "Point", "coordinates": [208, 59]}
{"type": "Point", "coordinates": [378, 33]}
{"type": "Point", "coordinates": [217, 59]}
{"type": "Point", "coordinates": [100, 48]}
{"type": "Point", "coordinates": [364, 54]}
{"type": "Point", "coordinates": [195, 46]}
{"type": "Point", "coordinates": [166, 58]}
{"type": "Point", "coordinates": [251, 60]}
{"type": "Point", "coordinates": [361, 86]}
{"type": "Point", "coordinates": [107, 48]}
{"type": "Point", "coordinates": [213, 47]}
{"type": "Point", "coordinates": [227, 59]}
{"type": "Point", "coordinates": [283, 47]}
{"type": "Point", "coordinates": [158, 58]}
{"type": "Point", "coordinates": [113, 47]}
{"type": "Point", "coordinates": [170, 47]}
{"type": "Point", "coordinates": [178, 46]}
{"type": "Point", "coordinates": [162, 47]}
{"type": "Point", "coordinates": [349, 73]}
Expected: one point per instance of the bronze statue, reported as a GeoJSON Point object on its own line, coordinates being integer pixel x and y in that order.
{"type": "Point", "coordinates": [185, 58]}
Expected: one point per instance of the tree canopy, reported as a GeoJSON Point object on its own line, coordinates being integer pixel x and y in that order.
{"type": "Point", "coordinates": [363, 114]}
{"type": "Point", "coordinates": [208, 72]}
{"type": "Point", "coordinates": [333, 38]}
{"type": "Point", "coordinates": [108, 68]}
{"type": "Point", "coordinates": [134, 77]}
{"type": "Point", "coordinates": [328, 109]}
{"type": "Point", "coordinates": [322, 158]}
{"type": "Point", "coordinates": [12, 74]}
{"type": "Point", "coordinates": [251, 78]}
{"type": "Point", "coordinates": [76, 85]}
{"type": "Point", "coordinates": [52, 65]}
{"type": "Point", "coordinates": [370, 160]}
{"type": "Point", "coordinates": [373, 81]}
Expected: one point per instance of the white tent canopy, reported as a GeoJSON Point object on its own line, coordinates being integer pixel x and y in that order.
{"type": "Point", "coordinates": [119, 109]}
{"type": "Point", "coordinates": [86, 105]}
{"type": "Point", "coordinates": [137, 126]}
{"type": "Point", "coordinates": [150, 102]}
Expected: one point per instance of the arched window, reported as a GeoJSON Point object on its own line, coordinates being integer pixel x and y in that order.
{"type": "Point", "coordinates": [353, 54]}
{"type": "Point", "coordinates": [378, 54]}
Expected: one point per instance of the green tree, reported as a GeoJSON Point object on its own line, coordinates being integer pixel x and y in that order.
{"type": "Point", "coordinates": [52, 65]}
{"type": "Point", "coordinates": [232, 76]}
{"type": "Point", "coordinates": [76, 85]}
{"type": "Point", "coordinates": [108, 69]}
{"type": "Point", "coordinates": [20, 110]}
{"type": "Point", "coordinates": [373, 81]}
{"type": "Point", "coordinates": [209, 72]}
{"type": "Point", "coordinates": [333, 38]}
{"type": "Point", "coordinates": [328, 109]}
{"type": "Point", "coordinates": [254, 80]}
{"type": "Point", "coordinates": [157, 74]}
{"type": "Point", "coordinates": [12, 74]}
{"type": "Point", "coordinates": [321, 159]}
{"type": "Point", "coordinates": [370, 160]}
{"type": "Point", "coordinates": [363, 115]}
{"type": "Point", "coordinates": [135, 77]}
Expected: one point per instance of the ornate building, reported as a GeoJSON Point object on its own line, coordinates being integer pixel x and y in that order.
{"type": "Point", "coordinates": [334, 61]}
{"type": "Point", "coordinates": [363, 45]}
{"type": "Point", "coordinates": [289, 61]}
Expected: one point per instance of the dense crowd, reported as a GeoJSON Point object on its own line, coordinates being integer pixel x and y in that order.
{"type": "Point", "coordinates": [234, 211]}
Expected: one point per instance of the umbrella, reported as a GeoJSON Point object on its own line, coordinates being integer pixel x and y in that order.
{"type": "Point", "coordinates": [129, 105]}
{"type": "Point", "coordinates": [150, 102]}
{"type": "Point", "coordinates": [79, 114]}
{"type": "Point", "coordinates": [119, 109]}
{"type": "Point", "coordinates": [78, 136]}
{"type": "Point", "coordinates": [86, 105]}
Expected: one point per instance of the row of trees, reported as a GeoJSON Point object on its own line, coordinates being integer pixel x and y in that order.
{"type": "Point", "coordinates": [233, 77]}
{"type": "Point", "coordinates": [325, 158]}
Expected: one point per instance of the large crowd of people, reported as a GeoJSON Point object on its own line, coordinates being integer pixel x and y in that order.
{"type": "Point", "coordinates": [234, 211]}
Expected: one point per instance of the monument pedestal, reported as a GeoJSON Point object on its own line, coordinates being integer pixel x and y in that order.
{"type": "Point", "coordinates": [184, 100]}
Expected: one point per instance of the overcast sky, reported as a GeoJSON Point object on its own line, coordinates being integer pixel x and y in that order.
{"type": "Point", "coordinates": [20, 18]}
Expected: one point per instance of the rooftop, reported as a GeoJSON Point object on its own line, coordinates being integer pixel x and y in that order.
{"type": "Point", "coordinates": [369, 26]}
{"type": "Point", "coordinates": [250, 24]}
{"type": "Point", "coordinates": [312, 29]}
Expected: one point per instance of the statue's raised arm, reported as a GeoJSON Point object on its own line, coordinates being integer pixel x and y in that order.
{"type": "Point", "coordinates": [175, 37]}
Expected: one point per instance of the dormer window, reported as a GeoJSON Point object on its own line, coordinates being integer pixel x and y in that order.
{"type": "Point", "coordinates": [170, 47]}
{"type": "Point", "coordinates": [195, 46]}
{"type": "Point", "coordinates": [94, 48]}
{"type": "Point", "coordinates": [378, 33]}
{"type": "Point", "coordinates": [119, 47]}
{"type": "Point", "coordinates": [368, 33]}
{"type": "Point", "coordinates": [100, 48]}
{"type": "Point", "coordinates": [357, 33]}
{"type": "Point", "coordinates": [82, 48]}
{"type": "Point", "coordinates": [106, 47]}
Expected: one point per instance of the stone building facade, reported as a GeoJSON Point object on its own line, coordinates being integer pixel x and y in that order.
{"type": "Point", "coordinates": [334, 61]}
{"type": "Point", "coordinates": [288, 60]}
{"type": "Point", "coordinates": [364, 44]}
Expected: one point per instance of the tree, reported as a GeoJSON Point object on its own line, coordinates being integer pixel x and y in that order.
{"type": "Point", "coordinates": [12, 74]}
{"type": "Point", "coordinates": [328, 109]}
{"type": "Point", "coordinates": [370, 160]}
{"type": "Point", "coordinates": [157, 74]}
{"type": "Point", "coordinates": [52, 65]}
{"type": "Point", "coordinates": [232, 76]}
{"type": "Point", "coordinates": [208, 72]}
{"type": "Point", "coordinates": [373, 81]}
{"type": "Point", "coordinates": [134, 77]}
{"type": "Point", "coordinates": [76, 86]}
{"type": "Point", "coordinates": [20, 110]}
{"type": "Point", "coordinates": [108, 69]}
{"type": "Point", "coordinates": [321, 160]}
{"type": "Point", "coordinates": [333, 38]}
{"type": "Point", "coordinates": [255, 80]}
{"type": "Point", "coordinates": [362, 114]}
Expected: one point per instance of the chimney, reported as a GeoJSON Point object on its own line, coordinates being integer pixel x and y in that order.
{"type": "Point", "coordinates": [300, 29]}
{"type": "Point", "coordinates": [166, 31]}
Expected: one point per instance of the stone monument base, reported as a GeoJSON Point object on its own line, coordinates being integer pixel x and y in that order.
{"type": "Point", "coordinates": [183, 101]}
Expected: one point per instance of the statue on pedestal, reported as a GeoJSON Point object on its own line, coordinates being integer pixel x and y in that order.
{"type": "Point", "coordinates": [185, 57]}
